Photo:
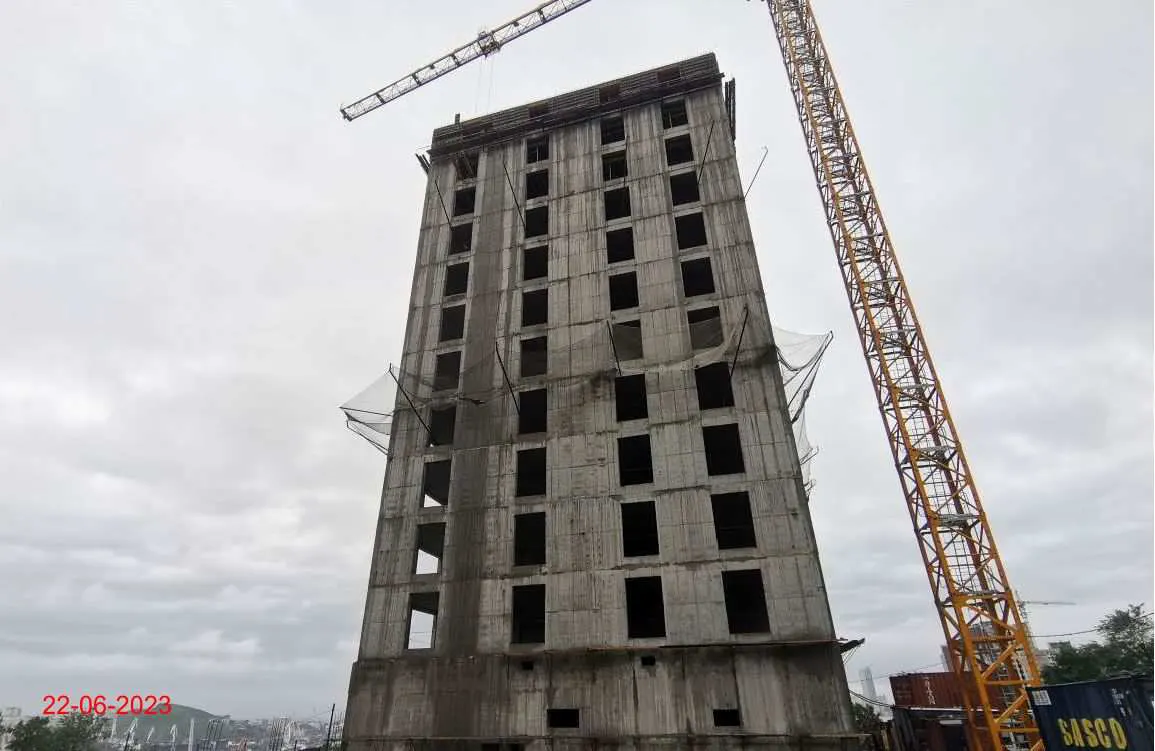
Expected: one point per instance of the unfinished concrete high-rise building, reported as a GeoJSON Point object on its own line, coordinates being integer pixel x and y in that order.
{"type": "Point", "coordinates": [594, 529]}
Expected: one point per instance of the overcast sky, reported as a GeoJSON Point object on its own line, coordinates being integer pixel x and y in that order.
{"type": "Point", "coordinates": [199, 261]}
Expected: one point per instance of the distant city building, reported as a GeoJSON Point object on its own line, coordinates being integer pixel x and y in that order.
{"type": "Point", "coordinates": [868, 689]}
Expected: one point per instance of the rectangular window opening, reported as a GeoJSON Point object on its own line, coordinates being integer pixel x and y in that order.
{"type": "Point", "coordinates": [538, 110]}
{"type": "Point", "coordinates": [645, 611]}
{"type": "Point", "coordinates": [705, 327]}
{"type": "Point", "coordinates": [456, 279]}
{"type": "Point", "coordinates": [727, 718]}
{"type": "Point", "coordinates": [536, 184]}
{"type": "Point", "coordinates": [620, 245]}
{"type": "Point", "coordinates": [614, 166]}
{"type": "Point", "coordinates": [527, 616]}
{"type": "Point", "coordinates": [534, 357]}
{"type": "Point", "coordinates": [635, 463]}
{"type": "Point", "coordinates": [460, 238]}
{"type": "Point", "coordinates": [532, 412]}
{"type": "Point", "coordinates": [733, 521]}
{"type": "Point", "coordinates": [679, 150]}
{"type": "Point", "coordinates": [610, 93]}
{"type": "Point", "coordinates": [745, 602]}
{"type": "Point", "coordinates": [452, 323]}
{"type": "Point", "coordinates": [529, 539]}
{"type": "Point", "coordinates": [613, 130]}
{"type": "Point", "coordinates": [537, 149]}
{"type": "Point", "coordinates": [422, 620]}
{"type": "Point", "coordinates": [534, 263]}
{"type": "Point", "coordinates": [684, 188]}
{"type": "Point", "coordinates": [639, 529]}
{"type": "Point", "coordinates": [713, 385]}
{"type": "Point", "coordinates": [723, 450]}
{"type": "Point", "coordinates": [674, 113]}
{"type": "Point", "coordinates": [537, 221]}
{"type": "Point", "coordinates": [442, 425]}
{"type": "Point", "coordinates": [690, 230]}
{"type": "Point", "coordinates": [562, 717]}
{"type": "Point", "coordinates": [464, 200]}
{"type": "Point", "coordinates": [672, 73]}
{"type": "Point", "coordinates": [627, 337]}
{"type": "Point", "coordinates": [697, 277]}
{"type": "Point", "coordinates": [531, 475]}
{"type": "Point", "coordinates": [630, 397]}
{"type": "Point", "coordinates": [465, 165]}
{"type": "Point", "coordinates": [430, 548]}
{"type": "Point", "coordinates": [447, 371]}
{"type": "Point", "coordinates": [435, 484]}
{"type": "Point", "coordinates": [617, 203]}
{"type": "Point", "coordinates": [535, 307]}
{"type": "Point", "coordinates": [624, 290]}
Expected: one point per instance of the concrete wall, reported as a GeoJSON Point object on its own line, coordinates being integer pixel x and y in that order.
{"type": "Point", "coordinates": [473, 684]}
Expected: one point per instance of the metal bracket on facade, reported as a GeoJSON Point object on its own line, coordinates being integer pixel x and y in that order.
{"type": "Point", "coordinates": [614, 348]}
{"type": "Point", "coordinates": [513, 194]}
{"type": "Point", "coordinates": [505, 375]}
{"type": "Point", "coordinates": [412, 406]}
{"type": "Point", "coordinates": [741, 334]}
{"type": "Point", "coordinates": [441, 200]}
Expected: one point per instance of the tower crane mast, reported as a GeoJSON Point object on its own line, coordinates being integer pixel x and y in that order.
{"type": "Point", "coordinates": [988, 643]}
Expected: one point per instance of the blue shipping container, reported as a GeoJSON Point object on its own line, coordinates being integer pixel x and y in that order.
{"type": "Point", "coordinates": [1112, 715]}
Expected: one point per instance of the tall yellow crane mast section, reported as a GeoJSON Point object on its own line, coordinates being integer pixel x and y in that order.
{"type": "Point", "coordinates": [987, 642]}
{"type": "Point", "coordinates": [989, 646]}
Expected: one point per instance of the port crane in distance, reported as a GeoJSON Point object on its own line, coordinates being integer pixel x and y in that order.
{"type": "Point", "coordinates": [988, 643]}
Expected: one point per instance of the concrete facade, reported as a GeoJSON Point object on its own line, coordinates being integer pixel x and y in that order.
{"type": "Point", "coordinates": [650, 630]}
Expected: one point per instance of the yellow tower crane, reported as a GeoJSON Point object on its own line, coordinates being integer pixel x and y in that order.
{"type": "Point", "coordinates": [988, 643]}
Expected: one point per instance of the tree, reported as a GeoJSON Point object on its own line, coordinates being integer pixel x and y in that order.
{"type": "Point", "coordinates": [76, 732]}
{"type": "Point", "coordinates": [1126, 648]}
{"type": "Point", "coordinates": [866, 719]}
{"type": "Point", "coordinates": [34, 734]}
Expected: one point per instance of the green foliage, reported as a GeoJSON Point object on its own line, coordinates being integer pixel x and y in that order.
{"type": "Point", "coordinates": [866, 719]}
{"type": "Point", "coordinates": [76, 732]}
{"type": "Point", "coordinates": [1126, 648]}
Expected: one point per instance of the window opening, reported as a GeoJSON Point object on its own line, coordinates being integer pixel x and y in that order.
{"type": "Point", "coordinates": [614, 166]}
{"type": "Point", "coordinates": [610, 93]}
{"type": "Point", "coordinates": [534, 263]}
{"type": "Point", "coordinates": [452, 323]}
{"type": "Point", "coordinates": [630, 397]}
{"type": "Point", "coordinates": [705, 327]}
{"type": "Point", "coordinates": [645, 611]}
{"type": "Point", "coordinates": [745, 601]}
{"type": "Point", "coordinates": [666, 75]}
{"type": "Point", "coordinates": [713, 385]}
{"type": "Point", "coordinates": [674, 113]}
{"type": "Point", "coordinates": [691, 230]}
{"type": "Point", "coordinates": [531, 416]}
{"type": "Point", "coordinates": [530, 472]}
{"type": "Point", "coordinates": [562, 718]}
{"type": "Point", "coordinates": [527, 615]}
{"type": "Point", "coordinates": [466, 165]}
{"type": "Point", "coordinates": [447, 371]}
{"type": "Point", "coordinates": [460, 238]}
{"type": "Point", "coordinates": [537, 149]}
{"type": "Point", "coordinates": [613, 130]}
{"type": "Point", "coordinates": [536, 184]}
{"type": "Point", "coordinates": [617, 203]}
{"type": "Point", "coordinates": [537, 221]}
{"type": "Point", "coordinates": [635, 463]}
{"type": "Point", "coordinates": [620, 245]}
{"type": "Point", "coordinates": [464, 200]}
{"type": "Point", "coordinates": [435, 483]}
{"type": "Point", "coordinates": [534, 357]}
{"type": "Point", "coordinates": [442, 425]}
{"type": "Point", "coordinates": [639, 529]}
{"type": "Point", "coordinates": [697, 277]}
{"type": "Point", "coordinates": [679, 150]}
{"type": "Point", "coordinates": [723, 450]}
{"type": "Point", "coordinates": [733, 520]}
{"type": "Point", "coordinates": [684, 188]}
{"type": "Point", "coordinates": [648, 661]}
{"type": "Point", "coordinates": [422, 620]}
{"type": "Point", "coordinates": [538, 110]}
{"type": "Point", "coordinates": [627, 337]}
{"type": "Point", "coordinates": [623, 290]}
{"type": "Point", "coordinates": [456, 279]}
{"type": "Point", "coordinates": [430, 548]}
{"type": "Point", "coordinates": [529, 539]}
{"type": "Point", "coordinates": [534, 307]}
{"type": "Point", "coordinates": [727, 718]}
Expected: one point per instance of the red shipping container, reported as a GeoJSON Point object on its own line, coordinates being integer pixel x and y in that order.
{"type": "Point", "coordinates": [936, 690]}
